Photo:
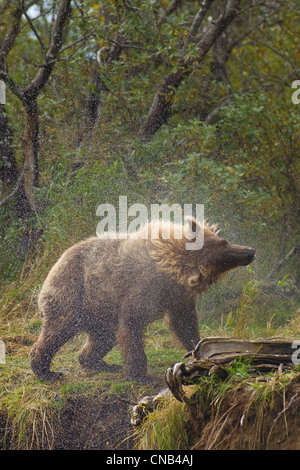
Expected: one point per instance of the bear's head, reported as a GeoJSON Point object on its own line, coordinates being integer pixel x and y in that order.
{"type": "Point", "coordinates": [215, 258]}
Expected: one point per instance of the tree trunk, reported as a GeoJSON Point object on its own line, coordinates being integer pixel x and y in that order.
{"type": "Point", "coordinates": [8, 167]}
{"type": "Point", "coordinates": [160, 109]}
{"type": "Point", "coordinates": [30, 151]}
{"type": "Point", "coordinates": [29, 95]}
{"type": "Point", "coordinates": [95, 100]}
{"type": "Point", "coordinates": [99, 91]}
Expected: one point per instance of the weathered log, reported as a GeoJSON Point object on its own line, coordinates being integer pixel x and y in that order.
{"type": "Point", "coordinates": [213, 355]}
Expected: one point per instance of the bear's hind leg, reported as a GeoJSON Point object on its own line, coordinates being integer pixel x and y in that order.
{"type": "Point", "coordinates": [42, 352]}
{"type": "Point", "coordinates": [99, 343]}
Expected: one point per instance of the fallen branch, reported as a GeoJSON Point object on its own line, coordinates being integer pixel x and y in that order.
{"type": "Point", "coordinates": [18, 184]}
{"type": "Point", "coordinates": [295, 251]}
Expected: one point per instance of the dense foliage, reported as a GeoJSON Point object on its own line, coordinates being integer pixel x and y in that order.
{"type": "Point", "coordinates": [228, 135]}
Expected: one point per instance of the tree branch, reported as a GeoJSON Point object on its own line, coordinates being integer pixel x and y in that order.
{"type": "Point", "coordinates": [9, 39]}
{"type": "Point", "coordinates": [294, 252]}
{"type": "Point", "coordinates": [173, 6]}
{"type": "Point", "coordinates": [160, 108]}
{"type": "Point", "coordinates": [14, 87]}
{"type": "Point", "coordinates": [77, 41]}
{"type": "Point", "coordinates": [19, 181]}
{"type": "Point", "coordinates": [35, 32]}
{"type": "Point", "coordinates": [197, 22]}
{"type": "Point", "coordinates": [276, 51]}
{"type": "Point", "coordinates": [57, 35]}
{"type": "Point", "coordinates": [5, 5]}
{"type": "Point", "coordinates": [127, 45]}
{"type": "Point", "coordinates": [216, 28]}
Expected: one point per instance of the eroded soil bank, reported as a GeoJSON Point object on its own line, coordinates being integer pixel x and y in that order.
{"type": "Point", "coordinates": [254, 413]}
{"type": "Point", "coordinates": [84, 423]}
{"type": "Point", "coordinates": [241, 419]}
{"type": "Point", "coordinates": [246, 421]}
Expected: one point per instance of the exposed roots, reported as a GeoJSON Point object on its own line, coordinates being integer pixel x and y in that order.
{"type": "Point", "coordinates": [253, 413]}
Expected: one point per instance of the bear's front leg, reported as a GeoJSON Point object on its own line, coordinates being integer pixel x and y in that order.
{"type": "Point", "coordinates": [183, 321]}
{"type": "Point", "coordinates": [130, 340]}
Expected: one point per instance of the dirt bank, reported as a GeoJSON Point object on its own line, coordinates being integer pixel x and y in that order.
{"type": "Point", "coordinates": [245, 421]}
{"type": "Point", "coordinates": [253, 413]}
{"type": "Point", "coordinates": [242, 419]}
{"type": "Point", "coordinates": [85, 423]}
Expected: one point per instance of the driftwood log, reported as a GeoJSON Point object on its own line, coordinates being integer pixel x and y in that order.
{"type": "Point", "coordinates": [213, 355]}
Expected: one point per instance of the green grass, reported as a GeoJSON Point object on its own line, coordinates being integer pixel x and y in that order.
{"type": "Point", "coordinates": [257, 401]}
{"type": "Point", "coordinates": [164, 429]}
{"type": "Point", "coordinates": [33, 407]}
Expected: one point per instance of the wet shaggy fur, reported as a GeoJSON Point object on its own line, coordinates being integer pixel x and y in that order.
{"type": "Point", "coordinates": [112, 289]}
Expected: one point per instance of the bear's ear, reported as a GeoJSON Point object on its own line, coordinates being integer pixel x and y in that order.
{"type": "Point", "coordinates": [193, 280]}
{"type": "Point", "coordinates": [193, 226]}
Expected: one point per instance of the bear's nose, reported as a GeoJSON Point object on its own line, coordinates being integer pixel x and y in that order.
{"type": "Point", "coordinates": [251, 254]}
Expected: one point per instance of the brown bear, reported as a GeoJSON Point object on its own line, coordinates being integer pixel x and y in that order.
{"type": "Point", "coordinates": [112, 288]}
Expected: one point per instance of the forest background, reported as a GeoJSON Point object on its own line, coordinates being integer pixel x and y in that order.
{"type": "Point", "coordinates": [164, 101]}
